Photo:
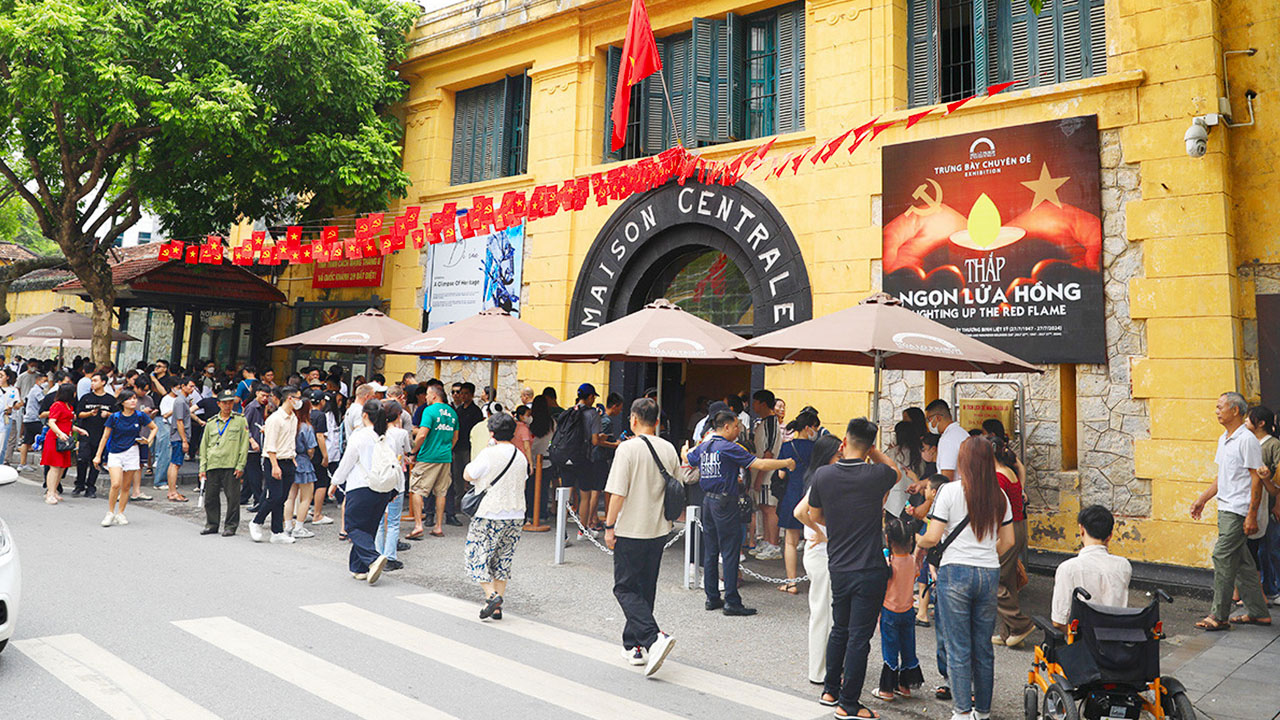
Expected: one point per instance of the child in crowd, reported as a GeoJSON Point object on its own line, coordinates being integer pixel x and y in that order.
{"type": "Point", "coordinates": [919, 510]}
{"type": "Point", "coordinates": [901, 670]}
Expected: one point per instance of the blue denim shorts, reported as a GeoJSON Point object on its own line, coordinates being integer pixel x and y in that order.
{"type": "Point", "coordinates": [175, 453]}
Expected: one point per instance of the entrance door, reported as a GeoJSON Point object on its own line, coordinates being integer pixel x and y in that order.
{"type": "Point", "coordinates": [1269, 348]}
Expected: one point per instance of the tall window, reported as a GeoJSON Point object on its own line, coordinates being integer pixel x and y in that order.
{"type": "Point", "coordinates": [491, 130]}
{"type": "Point", "coordinates": [956, 48]}
{"type": "Point", "coordinates": [731, 79]}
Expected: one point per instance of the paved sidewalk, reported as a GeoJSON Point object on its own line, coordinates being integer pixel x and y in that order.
{"type": "Point", "coordinates": [1230, 675]}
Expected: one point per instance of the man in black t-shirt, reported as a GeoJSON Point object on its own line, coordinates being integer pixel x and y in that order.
{"type": "Point", "coordinates": [92, 411]}
{"type": "Point", "coordinates": [468, 415]}
{"type": "Point", "coordinates": [848, 498]}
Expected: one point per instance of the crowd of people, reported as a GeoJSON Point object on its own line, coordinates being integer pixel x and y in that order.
{"type": "Point", "coordinates": [928, 532]}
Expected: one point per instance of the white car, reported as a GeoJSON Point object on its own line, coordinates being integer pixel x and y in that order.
{"type": "Point", "coordinates": [10, 584]}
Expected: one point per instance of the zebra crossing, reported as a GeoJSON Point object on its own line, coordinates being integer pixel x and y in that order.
{"type": "Point", "coordinates": [436, 668]}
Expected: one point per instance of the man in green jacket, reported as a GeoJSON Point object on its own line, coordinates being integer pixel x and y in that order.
{"type": "Point", "coordinates": [223, 452]}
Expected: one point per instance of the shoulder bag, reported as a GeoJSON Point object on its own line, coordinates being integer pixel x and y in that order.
{"type": "Point", "coordinates": [934, 554]}
{"type": "Point", "coordinates": [673, 497]}
{"type": "Point", "coordinates": [473, 497]}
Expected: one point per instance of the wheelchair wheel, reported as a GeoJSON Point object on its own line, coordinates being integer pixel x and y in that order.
{"type": "Point", "coordinates": [1060, 704]}
{"type": "Point", "coordinates": [1031, 702]}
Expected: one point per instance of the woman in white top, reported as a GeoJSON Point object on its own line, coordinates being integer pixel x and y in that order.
{"type": "Point", "coordinates": [364, 505]}
{"type": "Point", "coordinates": [9, 399]}
{"type": "Point", "coordinates": [388, 536]}
{"type": "Point", "coordinates": [826, 450]}
{"type": "Point", "coordinates": [969, 573]}
{"type": "Point", "coordinates": [499, 471]}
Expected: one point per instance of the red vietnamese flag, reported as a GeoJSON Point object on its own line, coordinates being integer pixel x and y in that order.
{"type": "Point", "coordinates": [192, 255]}
{"type": "Point", "coordinates": [354, 248]}
{"type": "Point", "coordinates": [293, 236]}
{"type": "Point", "coordinates": [307, 253]}
{"type": "Point", "coordinates": [419, 237]}
{"type": "Point", "coordinates": [640, 59]}
{"type": "Point", "coordinates": [257, 238]}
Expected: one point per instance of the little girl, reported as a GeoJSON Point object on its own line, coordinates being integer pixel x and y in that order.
{"type": "Point", "coordinates": [897, 618]}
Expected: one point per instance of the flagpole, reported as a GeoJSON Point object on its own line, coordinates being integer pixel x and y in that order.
{"type": "Point", "coordinates": [675, 127]}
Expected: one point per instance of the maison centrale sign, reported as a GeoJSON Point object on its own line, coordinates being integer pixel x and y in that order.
{"type": "Point", "coordinates": [649, 230]}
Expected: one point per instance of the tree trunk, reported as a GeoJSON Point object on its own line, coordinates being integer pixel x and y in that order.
{"type": "Point", "coordinates": [91, 268]}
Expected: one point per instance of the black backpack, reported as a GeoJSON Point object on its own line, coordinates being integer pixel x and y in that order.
{"type": "Point", "coordinates": [673, 498]}
{"type": "Point", "coordinates": [569, 444]}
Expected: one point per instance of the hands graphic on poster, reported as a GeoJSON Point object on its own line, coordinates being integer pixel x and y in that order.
{"type": "Point", "coordinates": [1074, 231]}
{"type": "Point", "coordinates": [912, 236]}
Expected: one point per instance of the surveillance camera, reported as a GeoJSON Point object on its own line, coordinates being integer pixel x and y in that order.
{"type": "Point", "coordinates": [1197, 138]}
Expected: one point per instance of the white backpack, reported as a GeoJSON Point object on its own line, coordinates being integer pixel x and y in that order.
{"type": "Point", "coordinates": [384, 473]}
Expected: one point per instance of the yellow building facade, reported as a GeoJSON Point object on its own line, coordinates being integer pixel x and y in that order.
{"type": "Point", "coordinates": [1190, 254]}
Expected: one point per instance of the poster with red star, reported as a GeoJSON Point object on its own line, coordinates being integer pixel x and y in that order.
{"type": "Point", "coordinates": [998, 234]}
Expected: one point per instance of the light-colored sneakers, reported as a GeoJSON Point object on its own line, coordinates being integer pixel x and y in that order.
{"type": "Point", "coordinates": [257, 533]}
{"type": "Point", "coordinates": [282, 539]}
{"type": "Point", "coordinates": [362, 577]}
{"type": "Point", "coordinates": [108, 520]}
{"type": "Point", "coordinates": [121, 519]}
{"type": "Point", "coordinates": [300, 532]}
{"type": "Point", "coordinates": [1014, 641]}
{"type": "Point", "coordinates": [634, 656]}
{"type": "Point", "coordinates": [323, 521]}
{"type": "Point", "coordinates": [658, 652]}
{"type": "Point", "coordinates": [375, 568]}
{"type": "Point", "coordinates": [768, 551]}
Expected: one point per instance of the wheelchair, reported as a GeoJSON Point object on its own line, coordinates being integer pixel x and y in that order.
{"type": "Point", "coordinates": [1106, 666]}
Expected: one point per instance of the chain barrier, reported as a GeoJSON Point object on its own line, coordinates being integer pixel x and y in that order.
{"type": "Point", "coordinates": [591, 535]}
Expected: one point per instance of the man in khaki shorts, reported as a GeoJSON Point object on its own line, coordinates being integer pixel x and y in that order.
{"type": "Point", "coordinates": [433, 443]}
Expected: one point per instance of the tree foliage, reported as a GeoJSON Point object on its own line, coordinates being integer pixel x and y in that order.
{"type": "Point", "coordinates": [203, 111]}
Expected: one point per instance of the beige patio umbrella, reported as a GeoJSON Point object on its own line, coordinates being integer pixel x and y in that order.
{"type": "Point", "coordinates": [660, 332]}
{"type": "Point", "coordinates": [58, 326]}
{"type": "Point", "coordinates": [368, 331]}
{"type": "Point", "coordinates": [879, 332]}
{"type": "Point", "coordinates": [493, 334]}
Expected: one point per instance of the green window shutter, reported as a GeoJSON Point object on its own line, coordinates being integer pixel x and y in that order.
{"type": "Point", "coordinates": [460, 138]}
{"type": "Point", "coordinates": [980, 47]}
{"type": "Point", "coordinates": [1020, 41]}
{"type": "Point", "coordinates": [514, 145]}
{"type": "Point", "coordinates": [655, 125]}
{"type": "Point", "coordinates": [613, 62]}
{"type": "Point", "coordinates": [496, 114]}
{"type": "Point", "coordinates": [791, 79]}
{"type": "Point", "coordinates": [922, 52]}
{"type": "Point", "coordinates": [705, 85]}
{"type": "Point", "coordinates": [680, 82]}
{"type": "Point", "coordinates": [736, 44]}
{"type": "Point", "coordinates": [1096, 33]}
{"type": "Point", "coordinates": [1047, 59]}
{"type": "Point", "coordinates": [1072, 37]}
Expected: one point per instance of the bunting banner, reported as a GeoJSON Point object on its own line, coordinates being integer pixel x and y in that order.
{"type": "Point", "coordinates": [376, 235]}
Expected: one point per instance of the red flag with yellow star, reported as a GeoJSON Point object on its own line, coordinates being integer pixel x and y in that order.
{"type": "Point", "coordinates": [640, 59]}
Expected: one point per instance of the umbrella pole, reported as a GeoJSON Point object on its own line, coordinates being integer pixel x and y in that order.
{"type": "Point", "coordinates": [493, 379]}
{"type": "Point", "coordinates": [875, 396]}
{"type": "Point", "coordinates": [368, 365]}
{"type": "Point", "coordinates": [659, 395]}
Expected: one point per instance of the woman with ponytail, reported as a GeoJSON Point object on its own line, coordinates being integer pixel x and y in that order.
{"type": "Point", "coordinates": [973, 521]}
{"type": "Point", "coordinates": [1012, 627]}
{"type": "Point", "coordinates": [364, 505]}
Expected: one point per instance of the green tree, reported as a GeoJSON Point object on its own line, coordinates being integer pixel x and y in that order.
{"type": "Point", "coordinates": [203, 111]}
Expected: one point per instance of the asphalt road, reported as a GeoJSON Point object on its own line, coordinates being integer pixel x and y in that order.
{"type": "Point", "coordinates": [153, 620]}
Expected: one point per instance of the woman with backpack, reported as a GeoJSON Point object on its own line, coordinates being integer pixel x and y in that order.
{"type": "Point", "coordinates": [498, 477]}
{"type": "Point", "coordinates": [369, 475]}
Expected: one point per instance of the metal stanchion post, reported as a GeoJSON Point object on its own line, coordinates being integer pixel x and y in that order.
{"type": "Point", "coordinates": [691, 546]}
{"type": "Point", "coordinates": [562, 520]}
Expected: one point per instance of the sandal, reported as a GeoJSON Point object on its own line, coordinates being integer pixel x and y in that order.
{"type": "Point", "coordinates": [437, 533]}
{"type": "Point", "coordinates": [902, 691]}
{"type": "Point", "coordinates": [1212, 624]}
{"type": "Point", "coordinates": [342, 536]}
{"type": "Point", "coordinates": [415, 535]}
{"type": "Point", "coordinates": [176, 497]}
{"type": "Point", "coordinates": [1249, 620]}
{"type": "Point", "coordinates": [858, 712]}
{"type": "Point", "coordinates": [883, 696]}
{"type": "Point", "coordinates": [942, 692]}
{"type": "Point", "coordinates": [788, 588]}
{"type": "Point", "coordinates": [822, 700]}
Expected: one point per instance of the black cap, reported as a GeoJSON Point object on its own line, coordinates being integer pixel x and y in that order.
{"type": "Point", "coordinates": [314, 395]}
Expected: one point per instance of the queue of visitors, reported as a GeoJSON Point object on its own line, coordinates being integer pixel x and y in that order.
{"type": "Point", "coordinates": [937, 519]}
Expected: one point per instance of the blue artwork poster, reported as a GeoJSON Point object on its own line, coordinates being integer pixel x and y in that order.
{"type": "Point", "coordinates": [473, 274]}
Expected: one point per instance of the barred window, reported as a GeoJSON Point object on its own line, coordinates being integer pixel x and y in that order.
{"type": "Point", "coordinates": [956, 48]}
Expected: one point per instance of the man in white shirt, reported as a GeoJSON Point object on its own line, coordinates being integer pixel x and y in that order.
{"type": "Point", "coordinates": [1103, 575]}
{"type": "Point", "coordinates": [83, 385]}
{"type": "Point", "coordinates": [1239, 491]}
{"type": "Point", "coordinates": [950, 436]}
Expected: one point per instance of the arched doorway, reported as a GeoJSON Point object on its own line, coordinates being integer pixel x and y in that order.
{"type": "Point", "coordinates": [723, 253]}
